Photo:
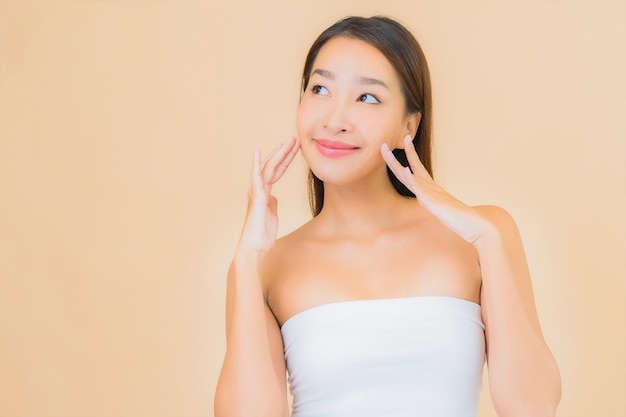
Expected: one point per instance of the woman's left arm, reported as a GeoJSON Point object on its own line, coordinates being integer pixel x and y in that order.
{"type": "Point", "coordinates": [523, 376]}
{"type": "Point", "coordinates": [524, 379]}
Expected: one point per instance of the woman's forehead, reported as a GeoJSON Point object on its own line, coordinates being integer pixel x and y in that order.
{"type": "Point", "coordinates": [348, 57]}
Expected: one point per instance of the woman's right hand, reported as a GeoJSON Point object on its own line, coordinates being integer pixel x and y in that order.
{"type": "Point", "coordinates": [261, 224]}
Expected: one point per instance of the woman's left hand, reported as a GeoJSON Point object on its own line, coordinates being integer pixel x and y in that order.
{"type": "Point", "coordinates": [457, 216]}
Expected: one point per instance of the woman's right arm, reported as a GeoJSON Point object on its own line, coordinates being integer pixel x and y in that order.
{"type": "Point", "coordinates": [252, 382]}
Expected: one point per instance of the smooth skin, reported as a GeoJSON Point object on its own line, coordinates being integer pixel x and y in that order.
{"type": "Point", "coordinates": [433, 245]}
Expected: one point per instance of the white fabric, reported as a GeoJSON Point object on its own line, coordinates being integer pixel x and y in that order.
{"type": "Point", "coordinates": [398, 357]}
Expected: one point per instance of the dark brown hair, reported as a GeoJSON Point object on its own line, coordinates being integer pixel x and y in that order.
{"type": "Point", "coordinates": [405, 54]}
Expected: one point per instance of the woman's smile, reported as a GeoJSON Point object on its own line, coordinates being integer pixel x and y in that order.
{"type": "Point", "coordinates": [333, 148]}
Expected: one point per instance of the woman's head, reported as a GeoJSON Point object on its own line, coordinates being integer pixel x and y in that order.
{"type": "Point", "coordinates": [405, 56]}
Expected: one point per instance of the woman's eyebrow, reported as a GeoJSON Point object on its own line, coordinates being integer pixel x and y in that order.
{"type": "Point", "coordinates": [324, 73]}
{"type": "Point", "coordinates": [371, 81]}
{"type": "Point", "coordinates": [361, 80]}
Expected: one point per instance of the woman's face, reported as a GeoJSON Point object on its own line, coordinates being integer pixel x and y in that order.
{"type": "Point", "coordinates": [352, 105]}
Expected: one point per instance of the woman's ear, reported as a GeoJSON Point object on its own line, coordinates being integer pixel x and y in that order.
{"type": "Point", "coordinates": [412, 122]}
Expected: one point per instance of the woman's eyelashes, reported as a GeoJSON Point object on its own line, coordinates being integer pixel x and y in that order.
{"type": "Point", "coordinates": [319, 90]}
{"type": "Point", "coordinates": [368, 98]}
{"type": "Point", "coordinates": [363, 98]}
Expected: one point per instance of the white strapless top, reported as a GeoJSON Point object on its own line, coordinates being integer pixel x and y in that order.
{"type": "Point", "coordinates": [397, 357]}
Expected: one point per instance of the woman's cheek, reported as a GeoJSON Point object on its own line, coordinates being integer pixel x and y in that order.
{"type": "Point", "coordinates": [301, 118]}
{"type": "Point", "coordinates": [306, 119]}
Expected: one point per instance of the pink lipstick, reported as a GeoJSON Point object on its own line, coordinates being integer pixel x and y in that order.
{"type": "Point", "coordinates": [333, 148]}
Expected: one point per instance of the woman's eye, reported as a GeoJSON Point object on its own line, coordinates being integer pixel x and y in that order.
{"type": "Point", "coordinates": [318, 89]}
{"type": "Point", "coordinates": [368, 98]}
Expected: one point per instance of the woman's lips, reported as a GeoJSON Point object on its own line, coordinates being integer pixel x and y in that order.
{"type": "Point", "coordinates": [333, 148]}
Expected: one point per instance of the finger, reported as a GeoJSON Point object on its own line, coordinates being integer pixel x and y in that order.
{"type": "Point", "coordinates": [272, 153]}
{"type": "Point", "coordinates": [409, 180]}
{"type": "Point", "coordinates": [287, 160]}
{"type": "Point", "coordinates": [394, 165]}
{"type": "Point", "coordinates": [271, 166]}
{"type": "Point", "coordinates": [269, 161]}
{"type": "Point", "coordinates": [424, 192]}
{"type": "Point", "coordinates": [414, 161]}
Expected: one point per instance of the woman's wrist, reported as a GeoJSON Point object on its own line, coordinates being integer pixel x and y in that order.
{"type": "Point", "coordinates": [248, 256]}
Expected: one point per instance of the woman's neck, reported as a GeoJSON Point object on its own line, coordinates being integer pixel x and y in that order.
{"type": "Point", "coordinates": [362, 211]}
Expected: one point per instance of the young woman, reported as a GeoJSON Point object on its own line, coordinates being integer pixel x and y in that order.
{"type": "Point", "coordinates": [387, 302]}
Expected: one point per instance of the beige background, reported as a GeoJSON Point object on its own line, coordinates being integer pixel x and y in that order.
{"type": "Point", "coordinates": [126, 130]}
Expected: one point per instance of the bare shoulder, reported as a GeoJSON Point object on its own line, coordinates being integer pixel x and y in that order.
{"type": "Point", "coordinates": [496, 214]}
{"type": "Point", "coordinates": [284, 268]}
{"type": "Point", "coordinates": [284, 255]}
{"type": "Point", "coordinates": [292, 241]}
{"type": "Point", "coordinates": [506, 236]}
{"type": "Point", "coordinates": [500, 218]}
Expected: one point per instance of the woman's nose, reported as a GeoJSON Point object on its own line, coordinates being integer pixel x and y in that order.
{"type": "Point", "coordinates": [338, 118]}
